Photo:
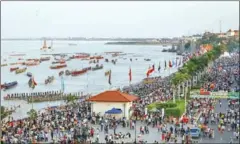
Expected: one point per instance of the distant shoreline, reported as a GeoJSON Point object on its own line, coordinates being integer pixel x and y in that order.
{"type": "Point", "coordinates": [136, 43]}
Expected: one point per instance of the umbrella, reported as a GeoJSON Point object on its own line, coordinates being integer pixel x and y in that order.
{"type": "Point", "coordinates": [114, 111]}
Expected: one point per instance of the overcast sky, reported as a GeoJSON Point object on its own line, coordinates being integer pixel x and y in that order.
{"type": "Point", "coordinates": [115, 19]}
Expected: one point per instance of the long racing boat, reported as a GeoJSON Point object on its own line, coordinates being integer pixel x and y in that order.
{"type": "Point", "coordinates": [78, 72]}
{"type": "Point", "coordinates": [18, 71]}
{"type": "Point", "coordinates": [97, 67]}
{"type": "Point", "coordinates": [58, 66]}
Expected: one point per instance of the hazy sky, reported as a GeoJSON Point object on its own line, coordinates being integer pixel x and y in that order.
{"type": "Point", "coordinates": [115, 19]}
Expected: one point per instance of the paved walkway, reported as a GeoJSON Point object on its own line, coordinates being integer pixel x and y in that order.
{"type": "Point", "coordinates": [219, 138]}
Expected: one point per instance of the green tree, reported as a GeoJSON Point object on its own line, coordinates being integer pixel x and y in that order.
{"type": "Point", "coordinates": [187, 45]}
{"type": "Point", "coordinates": [71, 99]}
{"type": "Point", "coordinates": [32, 114]}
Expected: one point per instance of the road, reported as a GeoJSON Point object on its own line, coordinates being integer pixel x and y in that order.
{"type": "Point", "coordinates": [219, 138]}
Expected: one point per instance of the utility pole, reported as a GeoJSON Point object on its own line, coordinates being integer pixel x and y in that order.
{"type": "Point", "coordinates": [220, 26]}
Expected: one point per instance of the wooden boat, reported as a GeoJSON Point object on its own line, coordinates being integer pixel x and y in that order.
{"type": "Point", "coordinates": [72, 44]}
{"type": "Point", "coordinates": [147, 59]}
{"type": "Point", "coordinates": [18, 71]}
{"type": "Point", "coordinates": [81, 56]}
{"type": "Point", "coordinates": [115, 55]}
{"type": "Point", "coordinates": [67, 72]}
{"type": "Point", "coordinates": [13, 63]}
{"type": "Point", "coordinates": [17, 54]}
{"type": "Point", "coordinates": [35, 60]}
{"type": "Point", "coordinates": [87, 68]}
{"type": "Point", "coordinates": [49, 80]}
{"type": "Point", "coordinates": [33, 63]}
{"type": "Point", "coordinates": [97, 57]}
{"type": "Point", "coordinates": [2, 65]}
{"type": "Point", "coordinates": [45, 58]}
{"type": "Point", "coordinates": [10, 85]}
{"type": "Point", "coordinates": [97, 67]}
{"type": "Point", "coordinates": [13, 69]}
{"type": "Point", "coordinates": [76, 73]}
{"type": "Point", "coordinates": [29, 74]}
{"type": "Point", "coordinates": [114, 61]}
{"type": "Point", "coordinates": [59, 62]}
{"type": "Point", "coordinates": [61, 73]}
{"type": "Point", "coordinates": [2, 86]}
{"type": "Point", "coordinates": [58, 66]}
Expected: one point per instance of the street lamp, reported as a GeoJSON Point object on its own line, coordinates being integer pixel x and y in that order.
{"type": "Point", "coordinates": [135, 130]}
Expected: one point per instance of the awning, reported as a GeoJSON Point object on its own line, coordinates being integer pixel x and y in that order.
{"type": "Point", "coordinates": [114, 111]}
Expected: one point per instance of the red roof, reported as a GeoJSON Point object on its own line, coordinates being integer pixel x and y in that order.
{"type": "Point", "coordinates": [113, 96]}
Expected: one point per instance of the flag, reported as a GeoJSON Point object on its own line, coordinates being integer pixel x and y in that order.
{"type": "Point", "coordinates": [176, 64]}
{"type": "Point", "coordinates": [165, 65]}
{"type": "Point", "coordinates": [130, 75]}
{"type": "Point", "coordinates": [32, 83]}
{"type": "Point", "coordinates": [173, 63]}
{"type": "Point", "coordinates": [159, 67]}
{"type": "Point", "coordinates": [62, 83]}
{"type": "Point", "coordinates": [170, 64]}
{"type": "Point", "coordinates": [179, 62]}
{"type": "Point", "coordinates": [107, 73]}
{"type": "Point", "coordinates": [109, 77]}
{"type": "Point", "coordinates": [150, 70]}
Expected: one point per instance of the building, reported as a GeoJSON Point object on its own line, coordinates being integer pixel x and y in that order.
{"type": "Point", "coordinates": [112, 99]}
{"type": "Point", "coordinates": [221, 35]}
{"type": "Point", "coordinates": [232, 33]}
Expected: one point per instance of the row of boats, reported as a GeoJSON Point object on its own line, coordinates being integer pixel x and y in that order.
{"type": "Point", "coordinates": [80, 72]}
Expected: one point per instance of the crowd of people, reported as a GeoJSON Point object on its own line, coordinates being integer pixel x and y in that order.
{"type": "Point", "coordinates": [71, 123]}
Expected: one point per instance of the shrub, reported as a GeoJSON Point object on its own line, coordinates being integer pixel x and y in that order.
{"type": "Point", "coordinates": [173, 112]}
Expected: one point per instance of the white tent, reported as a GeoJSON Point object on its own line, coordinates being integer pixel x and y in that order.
{"type": "Point", "coordinates": [225, 54]}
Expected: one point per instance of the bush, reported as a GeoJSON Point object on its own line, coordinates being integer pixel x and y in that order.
{"type": "Point", "coordinates": [165, 105]}
{"type": "Point", "coordinates": [151, 106]}
{"type": "Point", "coordinates": [176, 112]}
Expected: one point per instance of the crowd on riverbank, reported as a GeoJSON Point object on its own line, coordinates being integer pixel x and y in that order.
{"type": "Point", "coordinates": [224, 75]}
{"type": "Point", "coordinates": [71, 123]}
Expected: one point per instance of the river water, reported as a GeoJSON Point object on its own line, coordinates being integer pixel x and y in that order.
{"type": "Point", "coordinates": [92, 82]}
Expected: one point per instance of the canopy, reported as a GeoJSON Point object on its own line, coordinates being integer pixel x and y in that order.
{"type": "Point", "coordinates": [225, 54]}
{"type": "Point", "coordinates": [114, 111]}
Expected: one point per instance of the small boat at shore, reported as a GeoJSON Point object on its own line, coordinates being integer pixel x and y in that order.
{"type": "Point", "coordinates": [58, 66]}
{"type": "Point", "coordinates": [35, 60]}
{"type": "Point", "coordinates": [18, 71]}
{"type": "Point", "coordinates": [2, 86]}
{"type": "Point", "coordinates": [58, 62]}
{"type": "Point", "coordinates": [81, 56]}
{"type": "Point", "coordinates": [97, 67]}
{"type": "Point", "coordinates": [97, 57]}
{"type": "Point", "coordinates": [67, 72]}
{"type": "Point", "coordinates": [87, 68]}
{"type": "Point", "coordinates": [49, 80]}
{"type": "Point", "coordinates": [17, 54]}
{"type": "Point", "coordinates": [45, 58]}
{"type": "Point", "coordinates": [32, 63]}
{"type": "Point", "coordinates": [2, 65]}
{"type": "Point", "coordinates": [13, 69]}
{"type": "Point", "coordinates": [72, 44]}
{"type": "Point", "coordinates": [29, 74]}
{"type": "Point", "coordinates": [13, 64]}
{"type": "Point", "coordinates": [78, 72]}
{"type": "Point", "coordinates": [10, 85]}
{"type": "Point", "coordinates": [60, 73]}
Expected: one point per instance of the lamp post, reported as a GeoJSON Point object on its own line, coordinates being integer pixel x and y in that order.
{"type": "Point", "coordinates": [135, 130]}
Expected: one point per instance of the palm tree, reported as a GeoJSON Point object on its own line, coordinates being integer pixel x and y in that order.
{"type": "Point", "coordinates": [71, 99]}
{"type": "Point", "coordinates": [32, 114]}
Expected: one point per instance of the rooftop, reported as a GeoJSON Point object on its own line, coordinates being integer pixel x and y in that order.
{"type": "Point", "coordinates": [113, 96]}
